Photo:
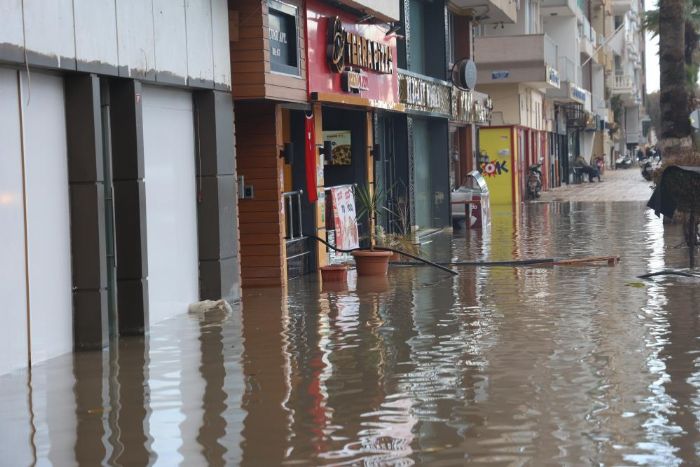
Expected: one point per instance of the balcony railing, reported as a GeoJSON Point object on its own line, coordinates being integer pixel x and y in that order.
{"type": "Point", "coordinates": [505, 50]}
{"type": "Point", "coordinates": [550, 51]}
{"type": "Point", "coordinates": [567, 70]}
{"type": "Point", "coordinates": [586, 31]}
{"type": "Point", "coordinates": [622, 83]}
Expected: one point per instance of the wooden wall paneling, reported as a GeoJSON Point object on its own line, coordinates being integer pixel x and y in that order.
{"type": "Point", "coordinates": [261, 222]}
{"type": "Point", "coordinates": [279, 140]}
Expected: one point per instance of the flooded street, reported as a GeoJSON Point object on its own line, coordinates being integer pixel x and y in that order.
{"type": "Point", "coordinates": [503, 366]}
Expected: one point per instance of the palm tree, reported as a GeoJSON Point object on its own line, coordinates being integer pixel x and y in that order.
{"type": "Point", "coordinates": [675, 124]}
{"type": "Point", "coordinates": [692, 45]}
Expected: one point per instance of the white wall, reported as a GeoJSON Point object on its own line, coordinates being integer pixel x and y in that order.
{"type": "Point", "coordinates": [529, 21]}
{"type": "Point", "coordinates": [50, 30]}
{"type": "Point", "coordinates": [48, 216]}
{"type": "Point", "coordinates": [171, 223]}
{"type": "Point", "coordinates": [13, 304]}
{"type": "Point", "coordinates": [135, 35]}
{"type": "Point", "coordinates": [173, 37]}
{"type": "Point", "coordinates": [387, 9]}
{"type": "Point", "coordinates": [598, 91]}
{"type": "Point", "coordinates": [95, 31]}
{"type": "Point", "coordinates": [47, 243]}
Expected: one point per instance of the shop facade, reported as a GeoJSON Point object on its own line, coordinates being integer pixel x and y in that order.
{"type": "Point", "coordinates": [354, 97]}
{"type": "Point", "coordinates": [268, 62]}
{"type": "Point", "coordinates": [118, 182]}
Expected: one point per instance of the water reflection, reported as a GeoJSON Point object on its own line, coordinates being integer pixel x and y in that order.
{"type": "Point", "coordinates": [508, 366]}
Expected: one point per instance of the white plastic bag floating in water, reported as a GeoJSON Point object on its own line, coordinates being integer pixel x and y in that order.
{"type": "Point", "coordinates": [210, 305]}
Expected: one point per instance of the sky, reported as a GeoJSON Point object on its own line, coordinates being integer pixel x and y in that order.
{"type": "Point", "coordinates": [652, 57]}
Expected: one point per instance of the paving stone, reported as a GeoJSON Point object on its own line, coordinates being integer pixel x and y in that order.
{"type": "Point", "coordinates": [617, 185]}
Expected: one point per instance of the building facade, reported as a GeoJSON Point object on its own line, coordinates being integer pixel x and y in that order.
{"type": "Point", "coordinates": [117, 177]}
{"type": "Point", "coordinates": [569, 75]}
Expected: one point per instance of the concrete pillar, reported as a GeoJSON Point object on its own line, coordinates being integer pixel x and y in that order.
{"type": "Point", "coordinates": [129, 205]}
{"type": "Point", "coordinates": [86, 186]}
{"type": "Point", "coordinates": [217, 207]}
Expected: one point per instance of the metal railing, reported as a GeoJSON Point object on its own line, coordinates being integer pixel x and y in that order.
{"type": "Point", "coordinates": [585, 30]}
{"type": "Point", "coordinates": [292, 199]}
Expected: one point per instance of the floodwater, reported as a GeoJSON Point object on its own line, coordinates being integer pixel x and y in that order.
{"type": "Point", "coordinates": [497, 366]}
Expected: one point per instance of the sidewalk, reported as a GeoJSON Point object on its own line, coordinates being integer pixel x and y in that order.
{"type": "Point", "coordinates": [617, 185]}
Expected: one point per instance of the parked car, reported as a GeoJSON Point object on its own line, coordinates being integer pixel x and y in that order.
{"type": "Point", "coordinates": [470, 202]}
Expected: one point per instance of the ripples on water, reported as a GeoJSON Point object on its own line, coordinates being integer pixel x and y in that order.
{"type": "Point", "coordinates": [505, 366]}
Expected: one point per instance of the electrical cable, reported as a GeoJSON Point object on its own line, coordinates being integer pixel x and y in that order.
{"type": "Point", "coordinates": [381, 248]}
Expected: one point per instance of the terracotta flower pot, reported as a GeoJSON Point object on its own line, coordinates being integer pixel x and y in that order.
{"type": "Point", "coordinates": [395, 257]}
{"type": "Point", "coordinates": [334, 273]}
{"type": "Point", "coordinates": [372, 263]}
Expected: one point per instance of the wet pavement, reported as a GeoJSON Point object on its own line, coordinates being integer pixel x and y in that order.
{"type": "Point", "coordinates": [617, 185]}
{"type": "Point", "coordinates": [495, 366]}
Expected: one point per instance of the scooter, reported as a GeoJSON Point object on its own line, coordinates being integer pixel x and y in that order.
{"type": "Point", "coordinates": [534, 181]}
{"type": "Point", "coordinates": [623, 162]}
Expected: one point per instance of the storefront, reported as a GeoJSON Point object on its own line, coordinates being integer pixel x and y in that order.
{"type": "Point", "coordinates": [353, 90]}
{"type": "Point", "coordinates": [117, 178]}
{"type": "Point", "coordinates": [470, 110]}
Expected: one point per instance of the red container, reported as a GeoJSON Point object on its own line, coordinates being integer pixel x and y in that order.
{"type": "Point", "coordinates": [334, 273]}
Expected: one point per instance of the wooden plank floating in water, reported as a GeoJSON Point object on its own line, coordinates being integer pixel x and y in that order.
{"type": "Point", "coordinates": [610, 260]}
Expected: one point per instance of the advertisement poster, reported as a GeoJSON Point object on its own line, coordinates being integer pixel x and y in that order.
{"type": "Point", "coordinates": [340, 142]}
{"type": "Point", "coordinates": [346, 237]}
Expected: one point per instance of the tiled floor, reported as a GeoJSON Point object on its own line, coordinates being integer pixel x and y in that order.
{"type": "Point", "coordinates": [617, 185]}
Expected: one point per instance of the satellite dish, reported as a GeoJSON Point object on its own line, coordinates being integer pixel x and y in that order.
{"type": "Point", "coordinates": [695, 119]}
{"type": "Point", "coordinates": [464, 74]}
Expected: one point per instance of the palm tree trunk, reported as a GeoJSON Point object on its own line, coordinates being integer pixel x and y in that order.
{"type": "Point", "coordinates": [675, 124]}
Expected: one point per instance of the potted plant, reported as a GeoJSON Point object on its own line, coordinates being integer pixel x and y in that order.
{"type": "Point", "coordinates": [402, 238]}
{"type": "Point", "coordinates": [370, 262]}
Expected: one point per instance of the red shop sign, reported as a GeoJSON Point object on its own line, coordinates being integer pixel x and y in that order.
{"type": "Point", "coordinates": [350, 59]}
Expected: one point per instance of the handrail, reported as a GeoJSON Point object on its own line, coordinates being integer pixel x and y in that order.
{"type": "Point", "coordinates": [288, 213]}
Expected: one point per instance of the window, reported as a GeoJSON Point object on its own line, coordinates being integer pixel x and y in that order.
{"type": "Point", "coordinates": [283, 37]}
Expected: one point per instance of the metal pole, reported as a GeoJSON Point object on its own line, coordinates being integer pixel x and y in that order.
{"type": "Point", "coordinates": [301, 230]}
{"type": "Point", "coordinates": [290, 219]}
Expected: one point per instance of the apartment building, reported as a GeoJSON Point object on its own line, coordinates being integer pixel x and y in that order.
{"type": "Point", "coordinates": [567, 79]}
{"type": "Point", "coordinates": [627, 80]}
{"type": "Point", "coordinates": [518, 65]}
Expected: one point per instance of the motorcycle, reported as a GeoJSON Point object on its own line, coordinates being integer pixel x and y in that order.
{"type": "Point", "coordinates": [534, 181]}
{"type": "Point", "coordinates": [623, 162]}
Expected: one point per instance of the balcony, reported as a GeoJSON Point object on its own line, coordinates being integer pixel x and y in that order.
{"type": "Point", "coordinates": [497, 11]}
{"type": "Point", "coordinates": [605, 4]}
{"type": "Point", "coordinates": [621, 84]}
{"type": "Point", "coordinates": [558, 8]}
{"type": "Point", "coordinates": [567, 70]}
{"type": "Point", "coordinates": [605, 58]}
{"type": "Point", "coordinates": [529, 59]}
{"type": "Point", "coordinates": [625, 86]}
{"type": "Point", "coordinates": [620, 7]}
{"type": "Point", "coordinates": [588, 38]}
